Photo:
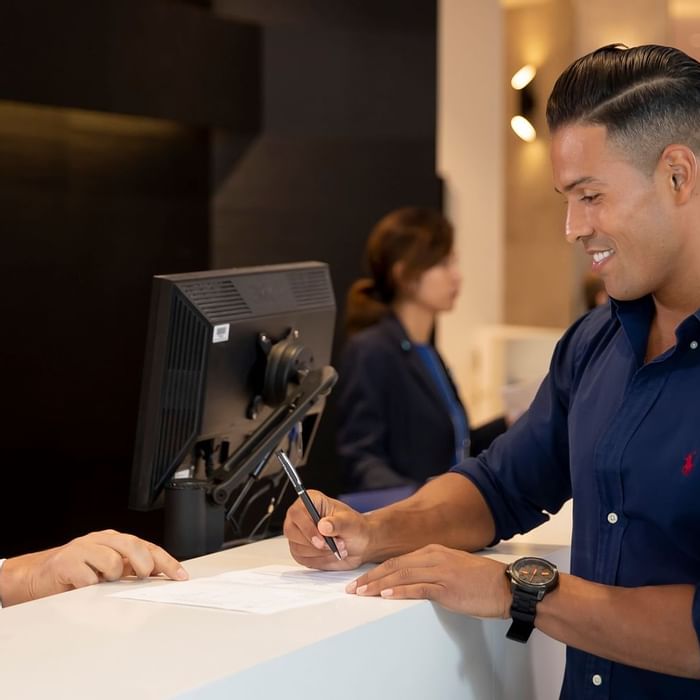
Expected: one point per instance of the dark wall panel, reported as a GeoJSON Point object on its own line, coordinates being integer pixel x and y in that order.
{"type": "Point", "coordinates": [92, 206]}
{"type": "Point", "coordinates": [262, 144]}
{"type": "Point", "coordinates": [349, 134]}
{"type": "Point", "coordinates": [308, 200]}
{"type": "Point", "coordinates": [144, 57]}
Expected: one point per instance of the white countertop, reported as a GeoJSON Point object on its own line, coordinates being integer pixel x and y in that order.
{"type": "Point", "coordinates": [86, 643]}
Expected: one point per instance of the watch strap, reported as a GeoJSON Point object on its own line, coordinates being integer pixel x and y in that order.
{"type": "Point", "coordinates": [520, 631]}
{"type": "Point", "coordinates": [522, 611]}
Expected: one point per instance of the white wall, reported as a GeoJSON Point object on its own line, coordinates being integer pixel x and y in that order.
{"type": "Point", "coordinates": [630, 22]}
{"type": "Point", "coordinates": [470, 159]}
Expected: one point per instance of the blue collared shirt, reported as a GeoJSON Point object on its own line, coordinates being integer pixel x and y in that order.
{"type": "Point", "coordinates": [623, 438]}
{"type": "Point", "coordinates": [458, 416]}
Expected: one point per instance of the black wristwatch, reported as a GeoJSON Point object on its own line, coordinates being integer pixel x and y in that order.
{"type": "Point", "coordinates": [531, 578]}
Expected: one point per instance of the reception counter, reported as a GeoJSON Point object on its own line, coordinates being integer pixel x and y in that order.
{"type": "Point", "coordinates": [87, 644]}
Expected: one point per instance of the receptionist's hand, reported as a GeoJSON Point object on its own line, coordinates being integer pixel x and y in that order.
{"type": "Point", "coordinates": [459, 581]}
{"type": "Point", "coordinates": [306, 544]}
{"type": "Point", "coordinates": [107, 555]}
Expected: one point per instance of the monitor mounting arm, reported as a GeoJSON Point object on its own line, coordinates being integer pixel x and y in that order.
{"type": "Point", "coordinates": [254, 452]}
{"type": "Point", "coordinates": [195, 509]}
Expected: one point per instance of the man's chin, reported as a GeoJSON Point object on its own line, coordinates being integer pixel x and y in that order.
{"type": "Point", "coordinates": [625, 294]}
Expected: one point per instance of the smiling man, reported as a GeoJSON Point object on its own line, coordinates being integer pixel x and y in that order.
{"type": "Point", "coordinates": [615, 424]}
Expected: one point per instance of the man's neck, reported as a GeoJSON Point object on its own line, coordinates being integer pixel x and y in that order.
{"type": "Point", "coordinates": [667, 318]}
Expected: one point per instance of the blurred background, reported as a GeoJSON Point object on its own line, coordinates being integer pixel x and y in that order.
{"type": "Point", "coordinates": [142, 137]}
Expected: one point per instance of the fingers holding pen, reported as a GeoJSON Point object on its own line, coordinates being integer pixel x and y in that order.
{"type": "Point", "coordinates": [307, 541]}
{"type": "Point", "coordinates": [307, 544]}
{"type": "Point", "coordinates": [298, 527]}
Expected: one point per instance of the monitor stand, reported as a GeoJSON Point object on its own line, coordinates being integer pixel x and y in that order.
{"type": "Point", "coordinates": [195, 509]}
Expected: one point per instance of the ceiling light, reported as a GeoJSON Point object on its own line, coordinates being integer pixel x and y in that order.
{"type": "Point", "coordinates": [523, 77]}
{"type": "Point", "coordinates": [523, 128]}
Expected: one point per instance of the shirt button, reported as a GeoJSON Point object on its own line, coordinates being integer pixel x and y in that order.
{"type": "Point", "coordinates": [693, 344]}
{"type": "Point", "coordinates": [597, 679]}
{"type": "Point", "coordinates": [612, 519]}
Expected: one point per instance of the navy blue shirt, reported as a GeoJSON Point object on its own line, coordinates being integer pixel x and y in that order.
{"type": "Point", "coordinates": [623, 438]}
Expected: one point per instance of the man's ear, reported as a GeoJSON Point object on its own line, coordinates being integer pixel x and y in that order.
{"type": "Point", "coordinates": [679, 167]}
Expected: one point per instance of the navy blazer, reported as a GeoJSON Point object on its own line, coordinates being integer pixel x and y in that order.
{"type": "Point", "coordinates": [393, 425]}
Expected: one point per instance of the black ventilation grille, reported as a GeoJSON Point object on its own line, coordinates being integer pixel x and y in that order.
{"type": "Point", "coordinates": [312, 287]}
{"type": "Point", "coordinates": [182, 388]}
{"type": "Point", "coordinates": [217, 299]}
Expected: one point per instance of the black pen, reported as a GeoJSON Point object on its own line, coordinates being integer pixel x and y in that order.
{"type": "Point", "coordinates": [291, 472]}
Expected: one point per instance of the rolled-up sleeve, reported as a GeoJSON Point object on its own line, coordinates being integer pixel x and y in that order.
{"type": "Point", "coordinates": [525, 475]}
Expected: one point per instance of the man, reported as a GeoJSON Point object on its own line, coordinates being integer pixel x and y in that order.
{"type": "Point", "coordinates": [615, 423]}
{"type": "Point", "coordinates": [98, 556]}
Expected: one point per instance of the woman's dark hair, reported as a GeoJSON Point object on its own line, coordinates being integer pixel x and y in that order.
{"type": "Point", "coordinates": [417, 237]}
{"type": "Point", "coordinates": [647, 97]}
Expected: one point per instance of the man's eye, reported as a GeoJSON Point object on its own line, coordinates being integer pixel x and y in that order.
{"type": "Point", "coordinates": [589, 197]}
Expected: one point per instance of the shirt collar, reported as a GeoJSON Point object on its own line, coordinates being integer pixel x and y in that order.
{"type": "Point", "coordinates": [635, 317]}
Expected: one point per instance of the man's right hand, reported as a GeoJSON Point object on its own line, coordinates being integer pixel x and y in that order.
{"type": "Point", "coordinates": [348, 527]}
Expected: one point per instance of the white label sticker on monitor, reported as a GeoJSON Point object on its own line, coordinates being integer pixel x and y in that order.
{"type": "Point", "coordinates": [221, 333]}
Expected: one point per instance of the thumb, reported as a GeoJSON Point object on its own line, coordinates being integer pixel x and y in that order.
{"type": "Point", "coordinates": [326, 526]}
{"type": "Point", "coordinates": [339, 524]}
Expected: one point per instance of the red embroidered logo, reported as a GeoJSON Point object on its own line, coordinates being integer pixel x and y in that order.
{"type": "Point", "coordinates": [688, 463]}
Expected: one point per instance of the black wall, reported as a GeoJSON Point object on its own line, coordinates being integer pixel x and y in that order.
{"type": "Point", "coordinates": [349, 134]}
{"type": "Point", "coordinates": [106, 111]}
{"type": "Point", "coordinates": [143, 137]}
{"type": "Point", "coordinates": [92, 206]}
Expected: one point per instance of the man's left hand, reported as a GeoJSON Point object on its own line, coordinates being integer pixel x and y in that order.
{"type": "Point", "coordinates": [459, 581]}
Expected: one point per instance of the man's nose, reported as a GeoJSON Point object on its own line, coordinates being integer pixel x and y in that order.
{"type": "Point", "coordinates": [577, 224]}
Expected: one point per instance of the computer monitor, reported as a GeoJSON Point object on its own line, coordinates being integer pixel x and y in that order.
{"type": "Point", "coordinates": [237, 365]}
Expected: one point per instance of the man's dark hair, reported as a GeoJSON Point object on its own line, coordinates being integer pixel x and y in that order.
{"type": "Point", "coordinates": [647, 97]}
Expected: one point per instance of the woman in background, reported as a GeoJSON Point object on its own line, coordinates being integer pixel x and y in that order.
{"type": "Point", "coordinates": [400, 419]}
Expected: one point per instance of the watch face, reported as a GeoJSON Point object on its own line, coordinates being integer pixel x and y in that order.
{"type": "Point", "coordinates": [533, 571]}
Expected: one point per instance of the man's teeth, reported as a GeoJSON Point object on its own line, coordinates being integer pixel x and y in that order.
{"type": "Point", "coordinates": [599, 257]}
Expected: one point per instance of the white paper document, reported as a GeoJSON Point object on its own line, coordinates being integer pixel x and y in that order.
{"type": "Point", "coordinates": [266, 589]}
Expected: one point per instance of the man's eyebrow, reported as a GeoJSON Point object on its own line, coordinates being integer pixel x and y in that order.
{"type": "Point", "coordinates": [581, 181]}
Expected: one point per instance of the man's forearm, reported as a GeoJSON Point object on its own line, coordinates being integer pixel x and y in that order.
{"type": "Point", "coordinates": [448, 510]}
{"type": "Point", "coordinates": [649, 627]}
